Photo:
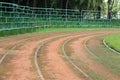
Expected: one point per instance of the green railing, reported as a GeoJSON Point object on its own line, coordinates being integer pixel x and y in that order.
{"type": "Point", "coordinates": [13, 16]}
{"type": "Point", "coordinates": [99, 19]}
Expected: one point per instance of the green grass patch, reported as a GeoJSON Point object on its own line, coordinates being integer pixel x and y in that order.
{"type": "Point", "coordinates": [47, 29]}
{"type": "Point", "coordinates": [113, 41]}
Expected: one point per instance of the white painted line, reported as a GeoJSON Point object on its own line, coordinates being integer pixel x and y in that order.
{"type": "Point", "coordinates": [88, 50]}
{"type": "Point", "coordinates": [36, 53]}
{"type": "Point", "coordinates": [110, 47]}
{"type": "Point", "coordinates": [36, 62]}
{"type": "Point", "coordinates": [70, 61]}
{"type": "Point", "coordinates": [3, 57]}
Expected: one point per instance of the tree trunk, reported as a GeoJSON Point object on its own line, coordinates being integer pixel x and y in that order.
{"type": "Point", "coordinates": [110, 6]}
{"type": "Point", "coordinates": [27, 2]}
{"type": "Point", "coordinates": [18, 2]}
{"type": "Point", "coordinates": [61, 5]}
{"type": "Point", "coordinates": [99, 12]}
{"type": "Point", "coordinates": [66, 8]}
{"type": "Point", "coordinates": [34, 3]}
{"type": "Point", "coordinates": [67, 4]}
{"type": "Point", "coordinates": [109, 11]}
{"type": "Point", "coordinates": [45, 3]}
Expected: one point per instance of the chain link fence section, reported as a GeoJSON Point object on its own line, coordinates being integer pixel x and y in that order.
{"type": "Point", "coordinates": [13, 16]}
{"type": "Point", "coordinates": [99, 18]}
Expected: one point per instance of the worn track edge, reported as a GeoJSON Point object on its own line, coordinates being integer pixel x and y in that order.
{"type": "Point", "coordinates": [36, 62]}
{"type": "Point", "coordinates": [106, 45]}
{"type": "Point", "coordinates": [70, 61]}
{"type": "Point", "coordinates": [36, 53]}
{"type": "Point", "coordinates": [88, 50]}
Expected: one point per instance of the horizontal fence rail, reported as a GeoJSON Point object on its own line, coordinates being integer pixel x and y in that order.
{"type": "Point", "coordinates": [13, 16]}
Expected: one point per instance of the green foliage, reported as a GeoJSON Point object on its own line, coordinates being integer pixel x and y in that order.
{"type": "Point", "coordinates": [72, 4]}
{"type": "Point", "coordinates": [102, 23]}
{"type": "Point", "coordinates": [18, 31]}
{"type": "Point", "coordinates": [48, 29]}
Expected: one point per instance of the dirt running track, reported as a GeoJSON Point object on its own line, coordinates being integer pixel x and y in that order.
{"type": "Point", "coordinates": [19, 63]}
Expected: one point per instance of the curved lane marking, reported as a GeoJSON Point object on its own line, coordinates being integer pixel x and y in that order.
{"type": "Point", "coordinates": [88, 50]}
{"type": "Point", "coordinates": [36, 53]}
{"type": "Point", "coordinates": [70, 61]}
{"type": "Point", "coordinates": [110, 47]}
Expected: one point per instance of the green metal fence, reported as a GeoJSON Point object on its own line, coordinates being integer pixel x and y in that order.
{"type": "Point", "coordinates": [99, 18]}
{"type": "Point", "coordinates": [13, 16]}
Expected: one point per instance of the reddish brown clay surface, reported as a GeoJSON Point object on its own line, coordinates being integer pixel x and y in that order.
{"type": "Point", "coordinates": [22, 66]}
{"type": "Point", "coordinates": [56, 67]}
{"type": "Point", "coordinates": [9, 42]}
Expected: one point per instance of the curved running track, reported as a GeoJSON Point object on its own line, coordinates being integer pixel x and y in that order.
{"type": "Point", "coordinates": [53, 56]}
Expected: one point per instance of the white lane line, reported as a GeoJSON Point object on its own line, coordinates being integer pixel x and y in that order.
{"type": "Point", "coordinates": [42, 44]}
{"type": "Point", "coordinates": [88, 50]}
{"type": "Point", "coordinates": [36, 62]}
{"type": "Point", "coordinates": [110, 47]}
{"type": "Point", "coordinates": [6, 53]}
{"type": "Point", "coordinates": [70, 61]}
{"type": "Point", "coordinates": [36, 53]}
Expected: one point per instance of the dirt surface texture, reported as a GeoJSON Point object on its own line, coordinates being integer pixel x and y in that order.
{"type": "Point", "coordinates": [19, 63]}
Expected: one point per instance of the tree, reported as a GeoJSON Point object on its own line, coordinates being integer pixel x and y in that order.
{"type": "Point", "coordinates": [90, 5]}
{"type": "Point", "coordinates": [27, 2]}
{"type": "Point", "coordinates": [34, 3]}
{"type": "Point", "coordinates": [115, 8]}
{"type": "Point", "coordinates": [66, 8]}
{"type": "Point", "coordinates": [99, 6]}
{"type": "Point", "coordinates": [45, 3]}
{"type": "Point", "coordinates": [18, 2]}
{"type": "Point", "coordinates": [110, 7]}
{"type": "Point", "coordinates": [53, 2]}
